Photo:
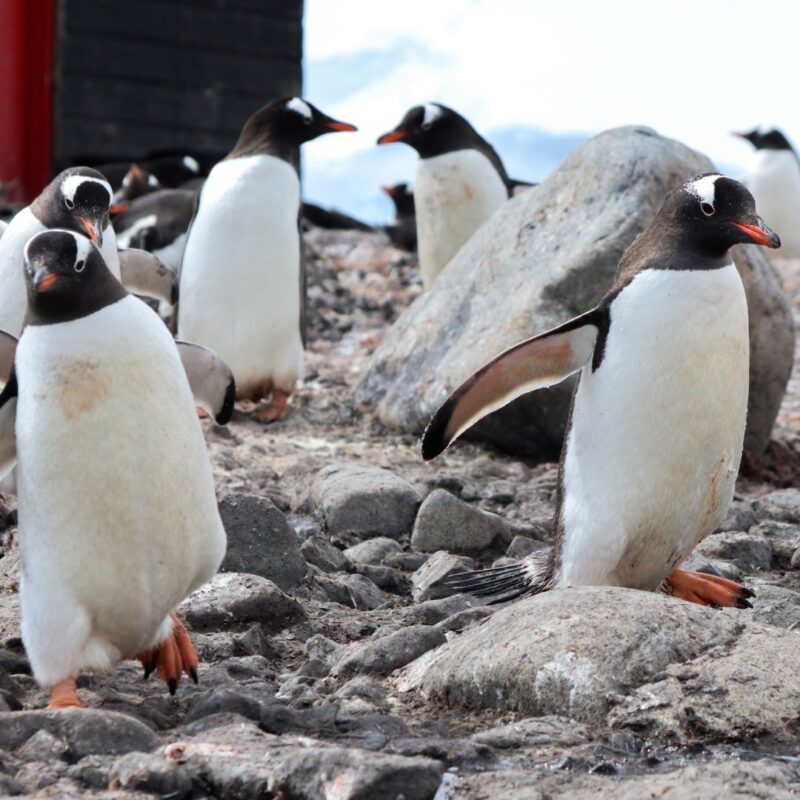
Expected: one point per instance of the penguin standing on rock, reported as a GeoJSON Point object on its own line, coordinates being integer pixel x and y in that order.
{"type": "Point", "coordinates": [77, 199]}
{"type": "Point", "coordinates": [117, 511]}
{"type": "Point", "coordinates": [460, 182]}
{"type": "Point", "coordinates": [655, 435]}
{"type": "Point", "coordinates": [774, 181]}
{"type": "Point", "coordinates": [241, 281]}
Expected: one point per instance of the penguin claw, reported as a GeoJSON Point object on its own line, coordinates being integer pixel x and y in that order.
{"type": "Point", "coordinates": [707, 590]}
{"type": "Point", "coordinates": [172, 657]}
{"type": "Point", "coordinates": [277, 408]}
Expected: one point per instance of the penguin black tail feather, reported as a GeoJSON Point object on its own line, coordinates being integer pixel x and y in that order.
{"type": "Point", "coordinates": [500, 584]}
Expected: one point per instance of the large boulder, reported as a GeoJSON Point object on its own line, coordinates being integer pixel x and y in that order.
{"type": "Point", "coordinates": [637, 660]}
{"type": "Point", "coordinates": [547, 255]}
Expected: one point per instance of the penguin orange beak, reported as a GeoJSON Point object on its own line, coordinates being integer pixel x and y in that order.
{"type": "Point", "coordinates": [118, 208]}
{"type": "Point", "coordinates": [760, 233]}
{"type": "Point", "coordinates": [396, 135]}
{"type": "Point", "coordinates": [335, 125]}
{"type": "Point", "coordinates": [43, 281]}
{"type": "Point", "coordinates": [94, 231]}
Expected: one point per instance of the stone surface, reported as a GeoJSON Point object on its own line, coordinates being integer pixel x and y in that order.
{"type": "Point", "coordinates": [544, 257]}
{"type": "Point", "coordinates": [427, 581]}
{"type": "Point", "coordinates": [388, 653]}
{"type": "Point", "coordinates": [522, 546]}
{"type": "Point", "coordinates": [748, 551]}
{"type": "Point", "coordinates": [372, 551]}
{"type": "Point", "coordinates": [152, 774]}
{"type": "Point", "coordinates": [446, 523]}
{"type": "Point", "coordinates": [231, 599]}
{"type": "Point", "coordinates": [776, 605]}
{"type": "Point", "coordinates": [568, 652]}
{"type": "Point", "coordinates": [783, 505]}
{"type": "Point", "coordinates": [318, 550]}
{"type": "Point", "coordinates": [260, 540]}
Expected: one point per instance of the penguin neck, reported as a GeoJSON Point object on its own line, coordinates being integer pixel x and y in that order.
{"type": "Point", "coordinates": [261, 143]}
{"type": "Point", "coordinates": [44, 309]}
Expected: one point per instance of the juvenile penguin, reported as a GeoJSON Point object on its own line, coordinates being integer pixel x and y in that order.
{"type": "Point", "coordinates": [460, 182]}
{"type": "Point", "coordinates": [657, 424]}
{"type": "Point", "coordinates": [403, 230]}
{"type": "Point", "coordinates": [774, 181]}
{"type": "Point", "coordinates": [117, 511]}
{"type": "Point", "coordinates": [77, 199]}
{"type": "Point", "coordinates": [241, 281]}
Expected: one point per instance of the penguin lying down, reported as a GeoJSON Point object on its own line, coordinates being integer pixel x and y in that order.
{"type": "Point", "coordinates": [117, 511]}
{"type": "Point", "coordinates": [656, 429]}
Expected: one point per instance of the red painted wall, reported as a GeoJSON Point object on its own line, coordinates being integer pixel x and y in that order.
{"type": "Point", "coordinates": [26, 95]}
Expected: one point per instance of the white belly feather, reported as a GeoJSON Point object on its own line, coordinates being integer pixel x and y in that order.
{"type": "Point", "coordinates": [454, 193]}
{"type": "Point", "coordinates": [240, 277]}
{"type": "Point", "coordinates": [775, 184]}
{"type": "Point", "coordinates": [117, 511]}
{"type": "Point", "coordinates": [657, 431]}
{"type": "Point", "coordinates": [13, 295]}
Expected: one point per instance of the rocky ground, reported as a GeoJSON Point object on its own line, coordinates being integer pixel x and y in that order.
{"type": "Point", "coordinates": [339, 536]}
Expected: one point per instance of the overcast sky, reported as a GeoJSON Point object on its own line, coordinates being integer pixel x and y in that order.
{"type": "Point", "coordinates": [691, 69]}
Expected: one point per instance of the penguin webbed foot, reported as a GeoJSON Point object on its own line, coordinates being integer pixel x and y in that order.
{"type": "Point", "coordinates": [65, 695]}
{"type": "Point", "coordinates": [708, 590]}
{"type": "Point", "coordinates": [173, 656]}
{"type": "Point", "coordinates": [276, 409]}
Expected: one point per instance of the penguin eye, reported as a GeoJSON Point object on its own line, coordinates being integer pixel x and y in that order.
{"type": "Point", "coordinates": [80, 266]}
{"type": "Point", "coordinates": [707, 209]}
{"type": "Point", "coordinates": [306, 120]}
{"type": "Point", "coordinates": [70, 204]}
{"type": "Point", "coordinates": [426, 126]}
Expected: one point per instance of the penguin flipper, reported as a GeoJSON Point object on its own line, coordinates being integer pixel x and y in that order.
{"type": "Point", "coordinates": [210, 380]}
{"type": "Point", "coordinates": [536, 363]}
{"type": "Point", "coordinates": [8, 412]}
{"type": "Point", "coordinates": [142, 273]}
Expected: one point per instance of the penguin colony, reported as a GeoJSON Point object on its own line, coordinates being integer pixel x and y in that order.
{"type": "Point", "coordinates": [100, 404]}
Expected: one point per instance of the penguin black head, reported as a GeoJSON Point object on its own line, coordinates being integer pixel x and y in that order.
{"type": "Point", "coordinates": [711, 213]}
{"type": "Point", "coordinates": [765, 139]}
{"type": "Point", "coordinates": [136, 183]}
{"type": "Point", "coordinates": [280, 126]}
{"type": "Point", "coordinates": [433, 129]}
{"type": "Point", "coordinates": [66, 278]}
{"type": "Point", "coordinates": [402, 197]}
{"type": "Point", "coordinates": [78, 199]}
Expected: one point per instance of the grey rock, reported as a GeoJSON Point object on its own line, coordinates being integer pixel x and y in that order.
{"type": "Point", "coordinates": [372, 551]}
{"type": "Point", "coordinates": [465, 619]}
{"type": "Point", "coordinates": [278, 718]}
{"type": "Point", "coordinates": [748, 551]}
{"type": "Point", "coordinates": [355, 591]}
{"type": "Point", "coordinates": [559, 652]}
{"type": "Point", "coordinates": [545, 257]}
{"type": "Point", "coordinates": [446, 523]}
{"type": "Point", "coordinates": [782, 505]}
{"type": "Point", "coordinates": [232, 599]}
{"type": "Point", "coordinates": [739, 517]}
{"type": "Point", "coordinates": [795, 562]}
{"type": "Point", "coordinates": [223, 701]}
{"type": "Point", "coordinates": [784, 539]}
{"type": "Point", "coordinates": [43, 746]}
{"type": "Point", "coordinates": [408, 562]}
{"type": "Point", "coordinates": [260, 540]}
{"type": "Point", "coordinates": [687, 703]}
{"type": "Point", "coordinates": [318, 550]}
{"type": "Point", "coordinates": [426, 582]}
{"type": "Point", "coordinates": [388, 653]}
{"type": "Point", "coordinates": [775, 605]}
{"type": "Point", "coordinates": [534, 731]}
{"type": "Point", "coordinates": [451, 752]}
{"type": "Point", "coordinates": [385, 578]}
{"type": "Point", "coordinates": [86, 733]}
{"type": "Point", "coordinates": [364, 501]}
{"type": "Point", "coordinates": [311, 773]}
{"type": "Point", "coordinates": [522, 546]}
{"type": "Point", "coordinates": [152, 774]}
{"type": "Point", "coordinates": [696, 562]}
{"type": "Point", "coordinates": [430, 612]}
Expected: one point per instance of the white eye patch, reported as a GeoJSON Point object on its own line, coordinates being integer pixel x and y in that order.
{"type": "Point", "coordinates": [703, 189]}
{"type": "Point", "coordinates": [191, 164]}
{"type": "Point", "coordinates": [431, 112]}
{"type": "Point", "coordinates": [71, 184]}
{"type": "Point", "coordinates": [300, 107]}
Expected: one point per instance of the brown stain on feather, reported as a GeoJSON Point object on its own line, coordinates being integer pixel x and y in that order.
{"type": "Point", "coordinates": [82, 388]}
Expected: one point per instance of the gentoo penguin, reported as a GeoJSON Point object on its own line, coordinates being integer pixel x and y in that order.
{"type": "Point", "coordinates": [403, 230]}
{"type": "Point", "coordinates": [241, 276]}
{"type": "Point", "coordinates": [136, 183]}
{"type": "Point", "coordinates": [77, 199]}
{"type": "Point", "coordinates": [460, 182]}
{"type": "Point", "coordinates": [157, 222]}
{"type": "Point", "coordinates": [774, 181]}
{"type": "Point", "coordinates": [655, 434]}
{"type": "Point", "coordinates": [171, 171]}
{"type": "Point", "coordinates": [117, 512]}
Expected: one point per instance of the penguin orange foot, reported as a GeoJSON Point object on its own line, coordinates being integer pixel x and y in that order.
{"type": "Point", "coordinates": [65, 695]}
{"type": "Point", "coordinates": [174, 655]}
{"type": "Point", "coordinates": [707, 590]}
{"type": "Point", "coordinates": [277, 408]}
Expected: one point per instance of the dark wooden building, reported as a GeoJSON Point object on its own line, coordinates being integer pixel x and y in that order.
{"type": "Point", "coordinates": [92, 81]}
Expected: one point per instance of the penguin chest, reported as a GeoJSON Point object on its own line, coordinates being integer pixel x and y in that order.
{"type": "Point", "coordinates": [657, 430]}
{"type": "Point", "coordinates": [455, 193]}
{"type": "Point", "coordinates": [240, 275]}
{"type": "Point", "coordinates": [775, 185]}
